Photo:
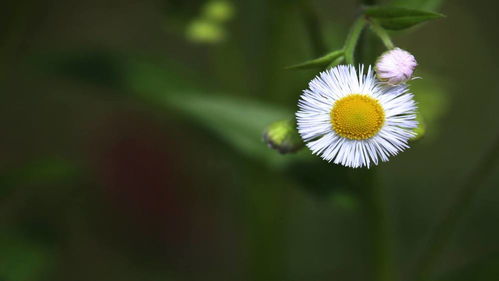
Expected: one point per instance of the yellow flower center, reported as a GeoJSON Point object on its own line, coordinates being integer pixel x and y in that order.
{"type": "Point", "coordinates": [357, 117]}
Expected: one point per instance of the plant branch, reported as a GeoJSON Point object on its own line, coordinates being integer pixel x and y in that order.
{"type": "Point", "coordinates": [370, 188]}
{"type": "Point", "coordinates": [462, 202]}
{"type": "Point", "coordinates": [352, 39]}
{"type": "Point", "coordinates": [377, 222]}
{"type": "Point", "coordinates": [382, 34]}
{"type": "Point", "coordinates": [370, 191]}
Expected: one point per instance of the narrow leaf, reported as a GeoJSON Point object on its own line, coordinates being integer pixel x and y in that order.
{"type": "Point", "coordinates": [319, 62]}
{"type": "Point", "coordinates": [395, 18]}
{"type": "Point", "coordinates": [336, 62]}
{"type": "Point", "coordinates": [236, 121]}
{"type": "Point", "coordinates": [427, 5]}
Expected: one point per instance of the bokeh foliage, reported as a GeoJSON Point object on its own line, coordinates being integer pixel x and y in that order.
{"type": "Point", "coordinates": [133, 143]}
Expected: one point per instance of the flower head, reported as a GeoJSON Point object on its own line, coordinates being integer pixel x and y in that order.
{"type": "Point", "coordinates": [395, 66]}
{"type": "Point", "coordinates": [352, 119]}
{"type": "Point", "coordinates": [283, 137]}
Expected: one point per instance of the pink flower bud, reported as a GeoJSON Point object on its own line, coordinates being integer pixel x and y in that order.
{"type": "Point", "coordinates": [395, 66]}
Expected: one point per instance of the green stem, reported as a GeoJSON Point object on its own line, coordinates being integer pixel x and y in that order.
{"type": "Point", "coordinates": [375, 212]}
{"type": "Point", "coordinates": [462, 202]}
{"type": "Point", "coordinates": [383, 35]}
{"type": "Point", "coordinates": [266, 258]}
{"type": "Point", "coordinates": [352, 39]}
{"type": "Point", "coordinates": [336, 62]}
{"type": "Point", "coordinates": [370, 188]}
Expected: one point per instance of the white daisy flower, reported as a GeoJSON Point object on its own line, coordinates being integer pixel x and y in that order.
{"type": "Point", "coordinates": [352, 119]}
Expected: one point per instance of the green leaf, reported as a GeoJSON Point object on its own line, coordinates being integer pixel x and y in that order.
{"type": "Point", "coordinates": [336, 62]}
{"type": "Point", "coordinates": [395, 18]}
{"type": "Point", "coordinates": [239, 122]}
{"type": "Point", "coordinates": [319, 62]}
{"type": "Point", "coordinates": [427, 5]}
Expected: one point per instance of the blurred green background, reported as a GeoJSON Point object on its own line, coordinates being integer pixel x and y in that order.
{"type": "Point", "coordinates": [131, 146]}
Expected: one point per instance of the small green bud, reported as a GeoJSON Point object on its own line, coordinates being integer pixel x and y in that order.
{"type": "Point", "coordinates": [203, 31]}
{"type": "Point", "coordinates": [219, 10]}
{"type": "Point", "coordinates": [283, 136]}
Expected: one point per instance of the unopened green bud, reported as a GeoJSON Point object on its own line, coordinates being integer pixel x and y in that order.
{"type": "Point", "coordinates": [203, 31]}
{"type": "Point", "coordinates": [283, 136]}
{"type": "Point", "coordinates": [219, 10]}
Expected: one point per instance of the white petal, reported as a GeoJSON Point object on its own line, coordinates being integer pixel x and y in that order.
{"type": "Point", "coordinates": [314, 119]}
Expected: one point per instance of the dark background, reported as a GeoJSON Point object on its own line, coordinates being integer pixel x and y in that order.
{"type": "Point", "coordinates": [131, 144]}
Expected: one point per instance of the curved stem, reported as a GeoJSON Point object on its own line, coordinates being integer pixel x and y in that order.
{"type": "Point", "coordinates": [462, 202]}
{"type": "Point", "coordinates": [383, 35]}
{"type": "Point", "coordinates": [336, 62]}
{"type": "Point", "coordinates": [352, 39]}
{"type": "Point", "coordinates": [370, 188]}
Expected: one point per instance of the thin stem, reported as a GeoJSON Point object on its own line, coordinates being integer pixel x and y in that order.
{"type": "Point", "coordinates": [324, 60]}
{"type": "Point", "coordinates": [313, 27]}
{"type": "Point", "coordinates": [336, 62]}
{"type": "Point", "coordinates": [383, 35]}
{"type": "Point", "coordinates": [352, 39]}
{"type": "Point", "coordinates": [370, 187]}
{"type": "Point", "coordinates": [462, 202]}
{"type": "Point", "coordinates": [375, 212]}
